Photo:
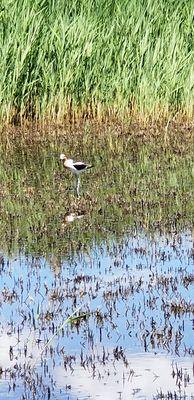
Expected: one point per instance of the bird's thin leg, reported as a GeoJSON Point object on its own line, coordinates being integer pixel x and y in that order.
{"type": "Point", "coordinates": [78, 186]}
{"type": "Point", "coordinates": [75, 187]}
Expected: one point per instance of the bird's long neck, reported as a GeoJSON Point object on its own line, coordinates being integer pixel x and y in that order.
{"type": "Point", "coordinates": [68, 162]}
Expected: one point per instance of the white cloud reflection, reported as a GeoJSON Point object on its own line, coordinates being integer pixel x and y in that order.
{"type": "Point", "coordinates": [152, 374]}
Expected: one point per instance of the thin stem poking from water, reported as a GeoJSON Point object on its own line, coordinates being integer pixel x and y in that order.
{"type": "Point", "coordinates": [56, 333]}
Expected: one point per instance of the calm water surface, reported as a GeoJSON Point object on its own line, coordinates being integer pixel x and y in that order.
{"type": "Point", "coordinates": [100, 306]}
{"type": "Point", "coordinates": [135, 337]}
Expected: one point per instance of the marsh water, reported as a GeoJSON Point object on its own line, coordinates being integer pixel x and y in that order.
{"type": "Point", "coordinates": [96, 292]}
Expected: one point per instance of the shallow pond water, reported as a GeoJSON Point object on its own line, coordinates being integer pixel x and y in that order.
{"type": "Point", "coordinates": [96, 292]}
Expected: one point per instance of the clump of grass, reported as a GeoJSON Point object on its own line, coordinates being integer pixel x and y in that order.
{"type": "Point", "coordinates": [87, 58]}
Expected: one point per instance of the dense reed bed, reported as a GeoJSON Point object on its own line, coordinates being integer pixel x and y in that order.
{"type": "Point", "coordinates": [90, 58]}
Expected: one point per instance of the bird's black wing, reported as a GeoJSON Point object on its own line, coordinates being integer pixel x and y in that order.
{"type": "Point", "coordinates": [80, 166]}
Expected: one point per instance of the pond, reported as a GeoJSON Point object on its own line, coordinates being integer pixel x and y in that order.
{"type": "Point", "coordinates": [96, 292]}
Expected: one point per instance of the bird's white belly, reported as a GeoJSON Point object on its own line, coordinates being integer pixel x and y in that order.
{"type": "Point", "coordinates": [74, 170]}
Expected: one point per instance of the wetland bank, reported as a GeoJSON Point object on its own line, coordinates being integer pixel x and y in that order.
{"type": "Point", "coordinates": [99, 306]}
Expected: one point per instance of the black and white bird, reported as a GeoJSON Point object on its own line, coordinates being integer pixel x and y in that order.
{"type": "Point", "coordinates": [76, 168]}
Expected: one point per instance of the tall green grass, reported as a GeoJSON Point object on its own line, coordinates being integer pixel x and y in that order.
{"type": "Point", "coordinates": [90, 57]}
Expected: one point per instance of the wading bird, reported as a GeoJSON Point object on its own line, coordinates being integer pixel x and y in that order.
{"type": "Point", "coordinates": [76, 168]}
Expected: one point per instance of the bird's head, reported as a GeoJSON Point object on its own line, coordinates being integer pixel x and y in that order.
{"type": "Point", "coordinates": [63, 157]}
